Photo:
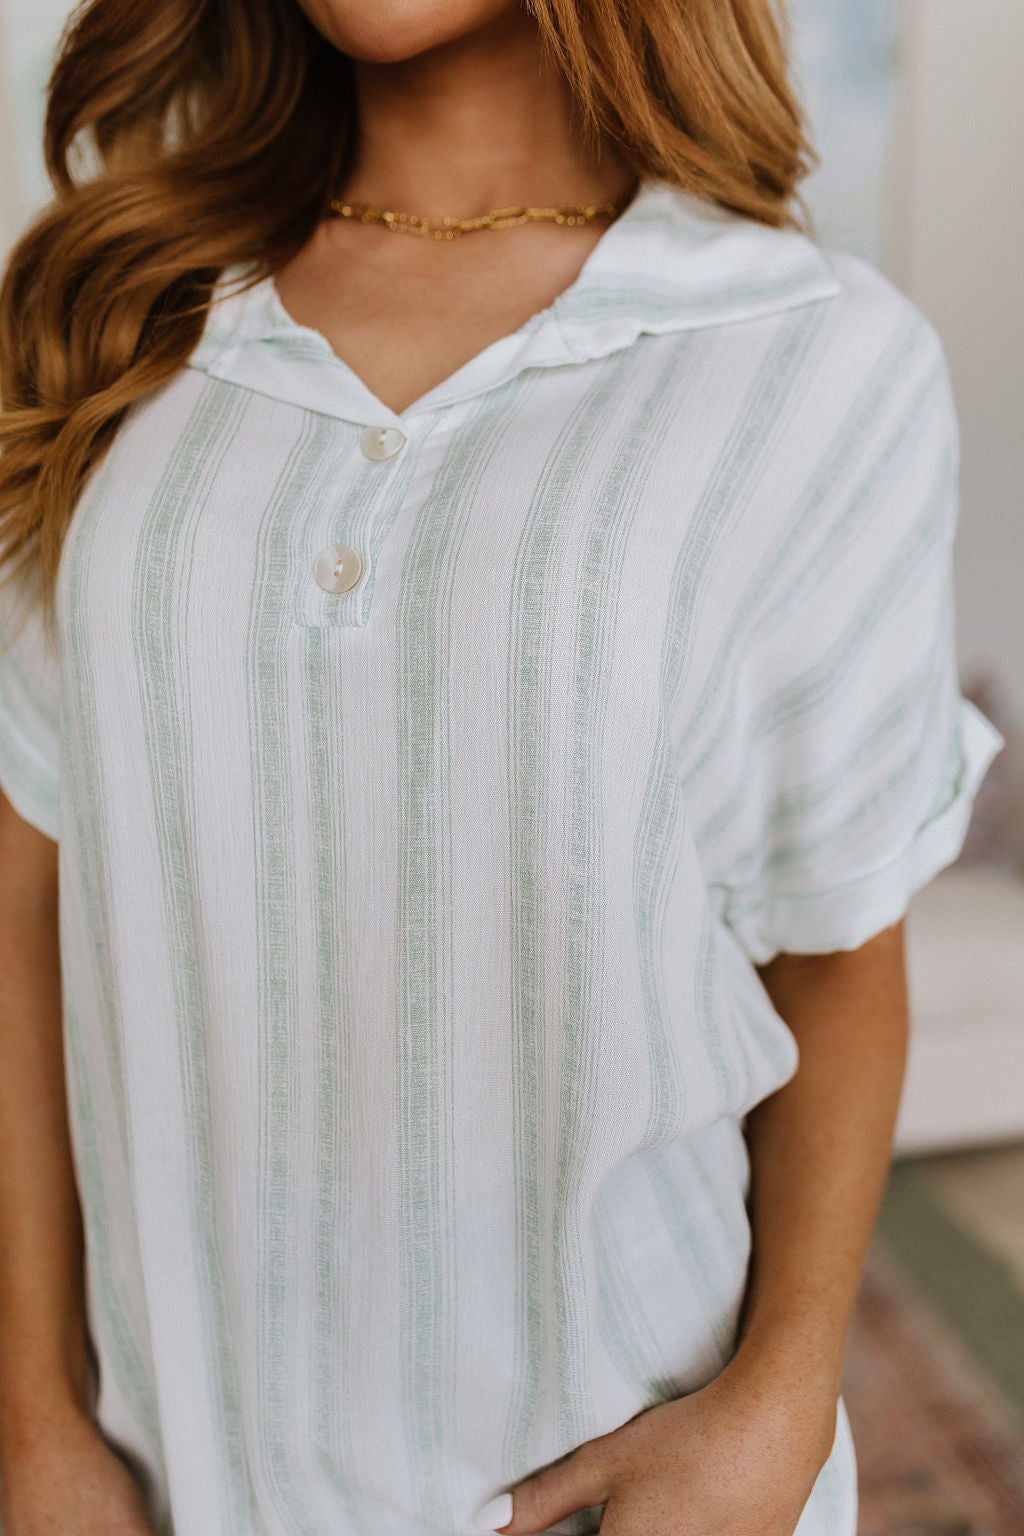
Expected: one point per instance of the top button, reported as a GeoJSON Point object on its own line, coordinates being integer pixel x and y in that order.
{"type": "Point", "coordinates": [381, 442]}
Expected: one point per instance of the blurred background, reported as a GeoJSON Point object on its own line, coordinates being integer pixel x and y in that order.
{"type": "Point", "coordinates": [918, 109]}
{"type": "Point", "coordinates": [918, 113]}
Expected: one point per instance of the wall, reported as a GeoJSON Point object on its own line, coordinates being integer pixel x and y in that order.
{"type": "Point", "coordinates": [846, 60]}
{"type": "Point", "coordinates": [956, 245]}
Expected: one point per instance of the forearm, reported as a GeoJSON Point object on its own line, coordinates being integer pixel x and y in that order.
{"type": "Point", "coordinates": [43, 1351]}
{"type": "Point", "coordinates": [820, 1149]}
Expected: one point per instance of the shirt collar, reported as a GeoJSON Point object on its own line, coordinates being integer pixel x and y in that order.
{"type": "Point", "coordinates": [670, 262]}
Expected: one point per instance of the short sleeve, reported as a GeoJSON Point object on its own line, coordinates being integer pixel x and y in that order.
{"type": "Point", "coordinates": [854, 759]}
{"type": "Point", "coordinates": [29, 708]}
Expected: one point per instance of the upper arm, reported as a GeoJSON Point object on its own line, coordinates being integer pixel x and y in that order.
{"type": "Point", "coordinates": [871, 979]}
{"type": "Point", "coordinates": [29, 709]}
{"type": "Point", "coordinates": [28, 863]}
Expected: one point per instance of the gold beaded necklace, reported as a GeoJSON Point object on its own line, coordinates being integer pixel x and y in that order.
{"type": "Point", "coordinates": [498, 218]}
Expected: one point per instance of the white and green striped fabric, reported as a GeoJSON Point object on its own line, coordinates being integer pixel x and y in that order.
{"type": "Point", "coordinates": [407, 929]}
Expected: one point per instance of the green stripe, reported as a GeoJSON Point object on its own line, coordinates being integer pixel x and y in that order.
{"type": "Point", "coordinates": [676, 1171]}
{"type": "Point", "coordinates": [626, 1328]}
{"type": "Point", "coordinates": [767, 401]}
{"type": "Point", "coordinates": [886, 725]}
{"type": "Point", "coordinates": [165, 549]}
{"type": "Point", "coordinates": [424, 1040]}
{"type": "Point", "coordinates": [305, 479]}
{"type": "Point", "coordinates": [337, 1101]}
{"type": "Point", "coordinates": [619, 502]}
{"type": "Point", "coordinates": [535, 1020]}
{"type": "Point", "coordinates": [877, 800]}
{"type": "Point", "coordinates": [803, 539]}
{"type": "Point", "coordinates": [794, 701]}
{"type": "Point", "coordinates": [127, 1347]}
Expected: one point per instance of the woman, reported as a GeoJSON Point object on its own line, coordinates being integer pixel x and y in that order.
{"type": "Point", "coordinates": [493, 700]}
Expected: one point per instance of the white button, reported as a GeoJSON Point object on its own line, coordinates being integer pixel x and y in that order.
{"type": "Point", "coordinates": [381, 442]}
{"type": "Point", "coordinates": [338, 567]}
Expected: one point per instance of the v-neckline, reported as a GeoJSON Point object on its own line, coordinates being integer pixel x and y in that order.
{"type": "Point", "coordinates": [478, 364]}
{"type": "Point", "coordinates": [668, 263]}
{"type": "Point", "coordinates": [475, 368]}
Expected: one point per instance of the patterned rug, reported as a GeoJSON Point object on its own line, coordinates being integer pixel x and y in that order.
{"type": "Point", "coordinates": [934, 1362]}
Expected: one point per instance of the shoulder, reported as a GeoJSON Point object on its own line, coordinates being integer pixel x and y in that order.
{"type": "Point", "coordinates": [693, 265]}
{"type": "Point", "coordinates": [868, 313]}
{"type": "Point", "coordinates": [875, 415]}
{"type": "Point", "coordinates": [870, 358]}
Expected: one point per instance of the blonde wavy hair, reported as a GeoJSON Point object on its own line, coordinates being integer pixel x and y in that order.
{"type": "Point", "coordinates": [218, 131]}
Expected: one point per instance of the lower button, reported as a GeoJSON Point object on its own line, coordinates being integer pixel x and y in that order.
{"type": "Point", "coordinates": [338, 567]}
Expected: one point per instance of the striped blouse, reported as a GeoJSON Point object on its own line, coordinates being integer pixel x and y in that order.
{"type": "Point", "coordinates": [427, 786]}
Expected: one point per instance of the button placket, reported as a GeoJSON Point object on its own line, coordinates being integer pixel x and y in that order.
{"type": "Point", "coordinates": [340, 567]}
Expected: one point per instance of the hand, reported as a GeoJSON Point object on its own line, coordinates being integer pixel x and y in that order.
{"type": "Point", "coordinates": [739, 1457]}
{"type": "Point", "coordinates": [64, 1480]}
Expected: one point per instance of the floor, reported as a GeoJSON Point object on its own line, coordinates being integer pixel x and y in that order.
{"type": "Point", "coordinates": [956, 1223]}
{"type": "Point", "coordinates": [934, 1381]}
{"type": "Point", "coordinates": [985, 1190]}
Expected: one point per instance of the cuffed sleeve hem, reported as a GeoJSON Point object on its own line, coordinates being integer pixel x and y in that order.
{"type": "Point", "coordinates": [845, 916]}
{"type": "Point", "coordinates": [28, 781]}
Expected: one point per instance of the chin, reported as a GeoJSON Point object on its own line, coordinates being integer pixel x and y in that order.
{"type": "Point", "coordinates": [390, 31]}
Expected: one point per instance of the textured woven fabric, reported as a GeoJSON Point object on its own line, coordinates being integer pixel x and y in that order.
{"type": "Point", "coordinates": [407, 931]}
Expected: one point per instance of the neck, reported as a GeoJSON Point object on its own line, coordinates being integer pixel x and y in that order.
{"type": "Point", "coordinates": [483, 122]}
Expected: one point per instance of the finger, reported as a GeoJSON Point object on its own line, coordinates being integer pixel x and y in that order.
{"type": "Point", "coordinates": [575, 1482]}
